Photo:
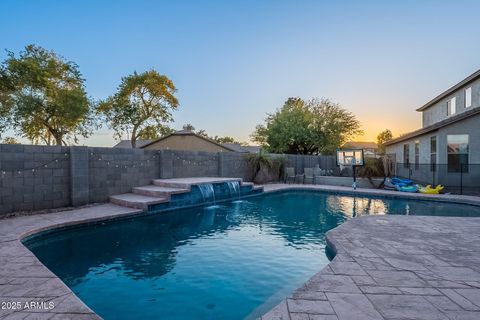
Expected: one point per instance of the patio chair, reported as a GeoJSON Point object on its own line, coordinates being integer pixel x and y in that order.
{"type": "Point", "coordinates": [289, 174]}
{"type": "Point", "coordinates": [309, 176]}
{"type": "Point", "coordinates": [317, 173]}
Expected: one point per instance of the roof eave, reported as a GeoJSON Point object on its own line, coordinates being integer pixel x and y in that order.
{"type": "Point", "coordinates": [435, 127]}
{"type": "Point", "coordinates": [188, 134]}
{"type": "Point", "coordinates": [474, 76]}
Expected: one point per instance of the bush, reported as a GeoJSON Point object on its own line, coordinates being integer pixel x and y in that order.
{"type": "Point", "coordinates": [265, 167]}
{"type": "Point", "coordinates": [372, 168]}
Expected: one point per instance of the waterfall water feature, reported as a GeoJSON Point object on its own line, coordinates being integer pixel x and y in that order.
{"type": "Point", "coordinates": [208, 193]}
{"type": "Point", "coordinates": [234, 189]}
{"type": "Point", "coordinates": [229, 190]}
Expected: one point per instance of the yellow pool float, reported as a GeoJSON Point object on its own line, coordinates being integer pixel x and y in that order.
{"type": "Point", "coordinates": [429, 190]}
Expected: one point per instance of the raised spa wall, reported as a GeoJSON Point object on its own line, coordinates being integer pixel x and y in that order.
{"type": "Point", "coordinates": [206, 194]}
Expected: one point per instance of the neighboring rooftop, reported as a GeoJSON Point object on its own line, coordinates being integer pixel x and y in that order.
{"type": "Point", "coordinates": [474, 76]}
{"type": "Point", "coordinates": [237, 147]}
{"type": "Point", "coordinates": [188, 133]}
{"type": "Point", "coordinates": [240, 148]}
{"type": "Point", "coordinates": [435, 126]}
{"type": "Point", "coordinates": [360, 145]}
{"type": "Point", "coordinates": [128, 144]}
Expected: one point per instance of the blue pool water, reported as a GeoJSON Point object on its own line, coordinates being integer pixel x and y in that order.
{"type": "Point", "coordinates": [231, 261]}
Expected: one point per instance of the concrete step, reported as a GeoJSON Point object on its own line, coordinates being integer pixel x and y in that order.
{"type": "Point", "coordinates": [157, 191]}
{"type": "Point", "coordinates": [136, 201]}
{"type": "Point", "coordinates": [247, 184]}
{"type": "Point", "coordinates": [165, 183]}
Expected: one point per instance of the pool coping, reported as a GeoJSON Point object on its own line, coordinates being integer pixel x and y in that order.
{"type": "Point", "coordinates": [24, 279]}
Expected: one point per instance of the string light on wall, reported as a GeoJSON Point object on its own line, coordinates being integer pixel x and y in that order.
{"type": "Point", "coordinates": [195, 163]}
{"type": "Point", "coordinates": [34, 169]}
{"type": "Point", "coordinates": [121, 164]}
{"type": "Point", "coordinates": [97, 157]}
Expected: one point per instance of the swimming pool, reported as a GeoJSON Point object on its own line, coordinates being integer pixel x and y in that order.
{"type": "Point", "coordinates": [231, 261]}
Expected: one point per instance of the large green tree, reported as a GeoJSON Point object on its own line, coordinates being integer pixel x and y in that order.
{"type": "Point", "coordinates": [154, 132]}
{"type": "Point", "coordinates": [42, 97]}
{"type": "Point", "coordinates": [142, 102]}
{"type": "Point", "coordinates": [307, 127]}
{"type": "Point", "coordinates": [384, 136]}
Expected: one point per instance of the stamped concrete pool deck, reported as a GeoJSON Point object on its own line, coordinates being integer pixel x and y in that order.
{"type": "Point", "coordinates": [386, 267]}
{"type": "Point", "coordinates": [24, 279]}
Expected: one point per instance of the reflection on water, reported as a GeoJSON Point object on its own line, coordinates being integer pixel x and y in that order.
{"type": "Point", "coordinates": [358, 206]}
{"type": "Point", "coordinates": [355, 206]}
{"type": "Point", "coordinates": [228, 261]}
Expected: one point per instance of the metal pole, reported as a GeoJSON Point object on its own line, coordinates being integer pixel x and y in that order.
{"type": "Point", "coordinates": [434, 169]}
{"type": "Point", "coordinates": [461, 178]}
{"type": "Point", "coordinates": [354, 185]}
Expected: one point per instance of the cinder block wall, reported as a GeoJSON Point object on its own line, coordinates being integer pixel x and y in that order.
{"type": "Point", "coordinates": [299, 162]}
{"type": "Point", "coordinates": [34, 178]}
{"type": "Point", "coordinates": [194, 164]}
{"type": "Point", "coordinates": [47, 177]}
{"type": "Point", "coordinates": [114, 171]}
{"type": "Point", "coordinates": [235, 165]}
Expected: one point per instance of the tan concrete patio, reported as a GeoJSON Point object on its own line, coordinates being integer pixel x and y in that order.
{"type": "Point", "coordinates": [387, 267]}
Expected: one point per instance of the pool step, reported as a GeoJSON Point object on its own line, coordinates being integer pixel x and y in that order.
{"type": "Point", "coordinates": [137, 201]}
{"type": "Point", "coordinates": [172, 192]}
{"type": "Point", "coordinates": [257, 187]}
{"type": "Point", "coordinates": [157, 191]}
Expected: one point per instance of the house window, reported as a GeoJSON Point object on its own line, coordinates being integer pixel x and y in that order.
{"type": "Point", "coordinates": [451, 106]}
{"type": "Point", "coordinates": [417, 155]}
{"type": "Point", "coordinates": [406, 156]}
{"type": "Point", "coordinates": [433, 153]}
{"type": "Point", "coordinates": [457, 152]}
{"type": "Point", "coordinates": [468, 97]}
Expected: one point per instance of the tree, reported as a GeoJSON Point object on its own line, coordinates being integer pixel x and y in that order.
{"type": "Point", "coordinates": [42, 97]}
{"type": "Point", "coordinates": [333, 125]}
{"type": "Point", "coordinates": [288, 130]}
{"type": "Point", "coordinates": [10, 140]}
{"type": "Point", "coordinates": [307, 127]}
{"type": "Point", "coordinates": [203, 133]}
{"type": "Point", "coordinates": [189, 127]}
{"type": "Point", "coordinates": [142, 101]}
{"type": "Point", "coordinates": [382, 137]}
{"type": "Point", "coordinates": [225, 139]}
{"type": "Point", "coordinates": [154, 132]}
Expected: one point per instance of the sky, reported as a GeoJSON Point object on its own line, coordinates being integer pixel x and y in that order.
{"type": "Point", "coordinates": [235, 61]}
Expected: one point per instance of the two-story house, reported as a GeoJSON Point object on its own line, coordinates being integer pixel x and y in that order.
{"type": "Point", "coordinates": [449, 140]}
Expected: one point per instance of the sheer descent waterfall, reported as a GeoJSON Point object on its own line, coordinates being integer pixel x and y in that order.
{"type": "Point", "coordinates": [208, 192]}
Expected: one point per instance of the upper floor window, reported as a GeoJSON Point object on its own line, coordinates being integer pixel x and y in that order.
{"type": "Point", "coordinates": [468, 97]}
{"type": "Point", "coordinates": [451, 106]}
{"type": "Point", "coordinates": [457, 152]}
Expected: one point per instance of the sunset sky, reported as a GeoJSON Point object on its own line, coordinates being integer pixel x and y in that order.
{"type": "Point", "coordinates": [234, 61]}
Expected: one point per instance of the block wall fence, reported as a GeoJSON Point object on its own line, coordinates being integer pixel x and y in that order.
{"type": "Point", "coordinates": [47, 177]}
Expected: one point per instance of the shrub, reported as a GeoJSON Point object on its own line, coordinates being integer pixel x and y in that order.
{"type": "Point", "coordinates": [373, 167]}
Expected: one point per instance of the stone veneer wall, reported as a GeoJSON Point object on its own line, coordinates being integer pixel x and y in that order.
{"type": "Point", "coordinates": [47, 177]}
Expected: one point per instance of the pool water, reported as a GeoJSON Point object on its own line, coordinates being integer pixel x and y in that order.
{"type": "Point", "coordinates": [234, 260]}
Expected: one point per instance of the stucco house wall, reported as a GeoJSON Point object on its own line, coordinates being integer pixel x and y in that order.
{"type": "Point", "coordinates": [423, 172]}
{"type": "Point", "coordinates": [438, 111]}
{"type": "Point", "coordinates": [470, 126]}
